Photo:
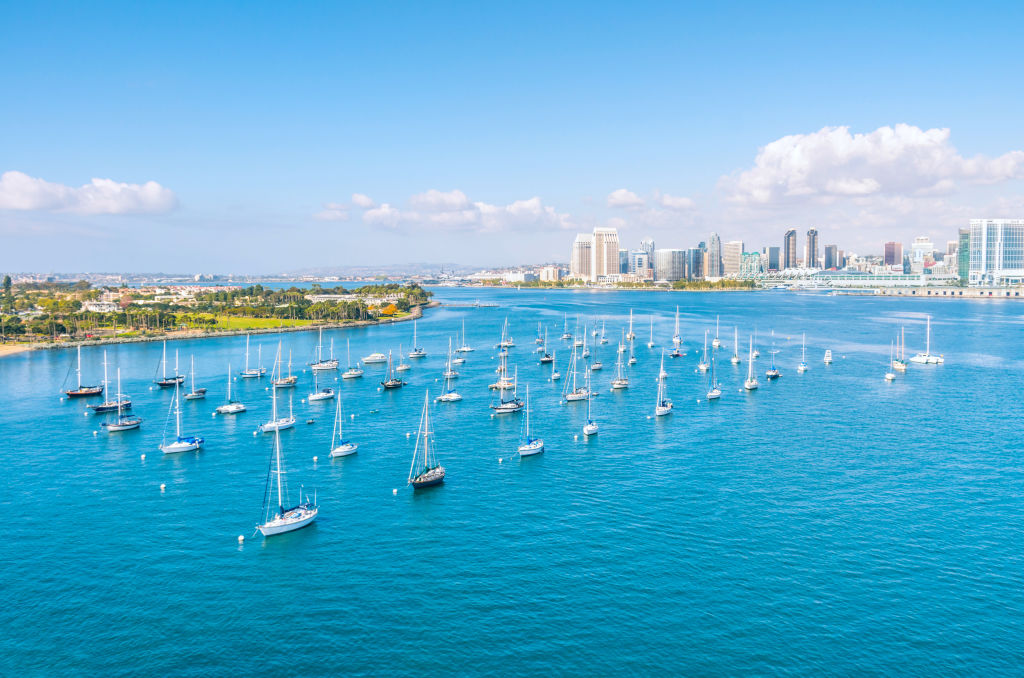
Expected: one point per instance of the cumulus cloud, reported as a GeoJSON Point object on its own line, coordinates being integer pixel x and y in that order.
{"type": "Point", "coordinates": [333, 211]}
{"type": "Point", "coordinates": [440, 201]}
{"type": "Point", "coordinates": [362, 200]}
{"type": "Point", "coordinates": [674, 202]}
{"type": "Point", "coordinates": [19, 191]}
{"type": "Point", "coordinates": [833, 164]}
{"type": "Point", "coordinates": [625, 199]}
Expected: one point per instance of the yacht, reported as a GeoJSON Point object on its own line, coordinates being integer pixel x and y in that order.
{"type": "Point", "coordinates": [751, 382]}
{"type": "Point", "coordinates": [375, 358]}
{"type": "Point", "coordinates": [927, 358]}
{"type": "Point", "coordinates": [230, 407]}
{"type": "Point", "coordinates": [181, 443]}
{"type": "Point", "coordinates": [662, 405]}
{"type": "Point", "coordinates": [425, 470]}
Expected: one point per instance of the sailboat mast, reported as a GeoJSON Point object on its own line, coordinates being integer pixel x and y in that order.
{"type": "Point", "coordinates": [163, 361]}
{"type": "Point", "coordinates": [80, 369]}
{"type": "Point", "coordinates": [247, 353]}
{"type": "Point", "coordinates": [118, 394]}
{"type": "Point", "coordinates": [105, 383]}
{"type": "Point", "coordinates": [177, 413]}
{"type": "Point", "coordinates": [229, 382]}
{"type": "Point", "coordinates": [928, 337]}
{"type": "Point", "coordinates": [277, 454]}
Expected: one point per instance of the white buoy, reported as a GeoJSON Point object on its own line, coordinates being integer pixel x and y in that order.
{"type": "Point", "coordinates": [302, 400]}
{"type": "Point", "coordinates": [266, 388]}
{"type": "Point", "coordinates": [407, 434]}
{"type": "Point", "coordinates": [241, 538]}
{"type": "Point", "coordinates": [150, 388]}
{"type": "Point", "coordinates": [142, 457]}
{"type": "Point", "coordinates": [162, 487]}
{"type": "Point", "coordinates": [95, 432]}
{"type": "Point", "coordinates": [351, 416]}
{"type": "Point", "coordinates": [395, 491]}
{"type": "Point", "coordinates": [378, 389]}
{"type": "Point", "coordinates": [85, 414]}
{"type": "Point", "coordinates": [62, 398]}
{"type": "Point", "coordinates": [577, 436]}
{"type": "Point", "coordinates": [500, 460]}
{"type": "Point", "coordinates": [315, 459]}
{"type": "Point", "coordinates": [254, 433]}
{"type": "Point", "coordinates": [213, 414]}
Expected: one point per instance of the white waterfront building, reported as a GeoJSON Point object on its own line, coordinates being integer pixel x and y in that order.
{"type": "Point", "coordinates": [996, 252]}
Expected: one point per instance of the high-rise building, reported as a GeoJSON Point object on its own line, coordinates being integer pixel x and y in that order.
{"type": "Point", "coordinates": [647, 245]}
{"type": "Point", "coordinates": [831, 257]}
{"type": "Point", "coordinates": [669, 265]}
{"type": "Point", "coordinates": [789, 249]}
{"type": "Point", "coordinates": [694, 263]}
{"type": "Point", "coordinates": [996, 252]}
{"type": "Point", "coordinates": [550, 274]}
{"type": "Point", "coordinates": [811, 258]}
{"type": "Point", "coordinates": [581, 260]}
{"type": "Point", "coordinates": [714, 257]}
{"type": "Point", "coordinates": [963, 255]}
{"type": "Point", "coordinates": [639, 262]}
{"type": "Point", "coordinates": [922, 250]}
{"type": "Point", "coordinates": [732, 253]}
{"type": "Point", "coordinates": [605, 253]}
{"type": "Point", "coordinates": [623, 261]}
{"type": "Point", "coordinates": [893, 254]}
{"type": "Point", "coordinates": [750, 264]}
{"type": "Point", "coordinates": [772, 258]}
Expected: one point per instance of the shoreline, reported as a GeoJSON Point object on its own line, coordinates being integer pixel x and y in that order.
{"type": "Point", "coordinates": [14, 348]}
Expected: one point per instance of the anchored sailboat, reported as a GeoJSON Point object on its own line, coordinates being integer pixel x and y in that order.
{"type": "Point", "coordinates": [621, 380]}
{"type": "Point", "coordinates": [735, 360]}
{"type": "Point", "coordinates": [391, 380]}
{"type": "Point", "coordinates": [417, 351]}
{"type": "Point", "coordinates": [716, 342]}
{"type": "Point", "coordinates": [286, 382]}
{"type": "Point", "coordinates": [124, 422]}
{"type": "Point", "coordinates": [254, 372]}
{"type": "Point", "coordinates": [889, 374]}
{"type": "Point", "coordinates": [703, 365]}
{"type": "Point", "coordinates": [353, 371]}
{"type": "Point", "coordinates": [276, 518]}
{"type": "Point", "coordinates": [118, 404]}
{"type": "Point", "coordinates": [325, 393]}
{"type": "Point", "coordinates": [772, 372]}
{"type": "Point", "coordinates": [630, 336]}
{"type": "Point", "coordinates": [546, 357]}
{"type": "Point", "coordinates": [572, 391]}
{"type": "Point", "coordinates": [900, 363]}
{"type": "Point", "coordinates": [513, 404]}
{"type": "Point", "coordinates": [565, 327]}
{"type": "Point", "coordinates": [802, 367]}
{"type": "Point", "coordinates": [751, 382]}
{"type": "Point", "coordinates": [828, 356]}
{"type": "Point", "coordinates": [662, 405]}
{"type": "Point", "coordinates": [322, 364]}
{"type": "Point", "coordinates": [465, 348]}
{"type": "Point", "coordinates": [231, 406]}
{"type": "Point", "coordinates": [278, 423]}
{"type": "Point", "coordinates": [714, 388]}
{"type": "Point", "coordinates": [339, 446]}
{"type": "Point", "coordinates": [195, 393]}
{"type": "Point", "coordinates": [164, 381]}
{"type": "Point", "coordinates": [181, 443]}
{"type": "Point", "coordinates": [927, 358]}
{"type": "Point", "coordinates": [83, 391]}
{"type": "Point", "coordinates": [590, 428]}
{"type": "Point", "coordinates": [677, 339]}
{"type": "Point", "coordinates": [529, 446]}
{"type": "Point", "coordinates": [425, 470]}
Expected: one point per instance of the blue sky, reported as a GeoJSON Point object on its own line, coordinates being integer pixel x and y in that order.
{"type": "Point", "coordinates": [262, 124]}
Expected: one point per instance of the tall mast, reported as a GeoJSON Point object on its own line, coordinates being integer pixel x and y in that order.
{"type": "Point", "coordinates": [928, 337]}
{"type": "Point", "coordinates": [192, 376]}
{"type": "Point", "coordinates": [247, 353]}
{"type": "Point", "coordinates": [118, 394]}
{"type": "Point", "coordinates": [105, 384]}
{"type": "Point", "coordinates": [750, 360]}
{"type": "Point", "coordinates": [527, 411]}
{"type": "Point", "coordinates": [229, 382]}
{"type": "Point", "coordinates": [177, 412]}
{"type": "Point", "coordinates": [175, 363]}
{"type": "Point", "coordinates": [277, 454]}
{"type": "Point", "coordinates": [163, 361]}
{"type": "Point", "coordinates": [80, 368]}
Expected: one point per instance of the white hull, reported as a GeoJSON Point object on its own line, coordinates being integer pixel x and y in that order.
{"type": "Point", "coordinates": [352, 374]}
{"type": "Point", "coordinates": [231, 408]}
{"type": "Point", "coordinates": [279, 425]}
{"type": "Point", "coordinates": [620, 383]}
{"type": "Point", "coordinates": [324, 366]}
{"type": "Point", "coordinates": [449, 397]}
{"type": "Point", "coordinates": [375, 358]}
{"type": "Point", "coordinates": [714, 394]}
{"type": "Point", "coordinates": [555, 376]}
{"type": "Point", "coordinates": [750, 384]}
{"type": "Point", "coordinates": [572, 397]}
{"type": "Point", "coordinates": [344, 450]}
{"type": "Point", "coordinates": [536, 447]}
{"type": "Point", "coordinates": [320, 395]}
{"type": "Point", "coordinates": [180, 446]}
{"type": "Point", "coordinates": [112, 428]}
{"type": "Point", "coordinates": [590, 429]}
{"type": "Point", "coordinates": [662, 410]}
{"type": "Point", "coordinates": [926, 359]}
{"type": "Point", "coordinates": [288, 524]}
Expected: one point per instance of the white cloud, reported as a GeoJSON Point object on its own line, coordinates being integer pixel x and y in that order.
{"type": "Point", "coordinates": [625, 199]}
{"type": "Point", "coordinates": [385, 215]}
{"type": "Point", "coordinates": [440, 201]}
{"type": "Point", "coordinates": [833, 164]}
{"type": "Point", "coordinates": [19, 191]}
{"type": "Point", "coordinates": [362, 200]}
{"type": "Point", "coordinates": [333, 211]}
{"type": "Point", "coordinates": [673, 202]}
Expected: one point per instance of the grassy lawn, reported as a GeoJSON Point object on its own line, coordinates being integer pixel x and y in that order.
{"type": "Point", "coordinates": [229, 322]}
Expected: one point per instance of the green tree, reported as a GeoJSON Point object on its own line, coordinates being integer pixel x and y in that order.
{"type": "Point", "coordinates": [8, 297]}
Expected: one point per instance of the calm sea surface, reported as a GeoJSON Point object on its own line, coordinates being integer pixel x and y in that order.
{"type": "Point", "coordinates": [829, 522]}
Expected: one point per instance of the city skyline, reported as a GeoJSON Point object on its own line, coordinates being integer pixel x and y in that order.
{"type": "Point", "coordinates": [300, 140]}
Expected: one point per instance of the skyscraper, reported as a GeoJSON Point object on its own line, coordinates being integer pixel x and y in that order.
{"type": "Point", "coordinates": [694, 263]}
{"type": "Point", "coordinates": [963, 255]}
{"type": "Point", "coordinates": [773, 258]}
{"type": "Point", "coordinates": [893, 254]}
{"type": "Point", "coordinates": [789, 249]}
{"type": "Point", "coordinates": [811, 259]}
{"type": "Point", "coordinates": [831, 257]}
{"type": "Point", "coordinates": [647, 245]}
{"type": "Point", "coordinates": [996, 252]}
{"type": "Point", "coordinates": [580, 261]}
{"type": "Point", "coordinates": [732, 254]}
{"type": "Point", "coordinates": [669, 265]}
{"type": "Point", "coordinates": [623, 261]}
{"type": "Point", "coordinates": [714, 257]}
{"type": "Point", "coordinates": [605, 253]}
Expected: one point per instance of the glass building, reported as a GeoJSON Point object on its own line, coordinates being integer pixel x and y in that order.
{"type": "Point", "coordinates": [996, 252]}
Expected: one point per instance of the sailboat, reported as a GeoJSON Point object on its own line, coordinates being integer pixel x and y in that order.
{"type": "Point", "coordinates": [900, 363]}
{"type": "Point", "coordinates": [164, 381]}
{"type": "Point", "coordinates": [590, 428]}
{"type": "Point", "coordinates": [277, 519]}
{"type": "Point", "coordinates": [802, 367]}
{"type": "Point", "coordinates": [555, 374]}
{"type": "Point", "coordinates": [259, 370]}
{"type": "Point", "coordinates": [889, 374]}
{"type": "Point", "coordinates": [391, 381]}
{"type": "Point", "coordinates": [703, 365]}
{"type": "Point", "coordinates": [540, 335]}
{"type": "Point", "coordinates": [118, 404]}
{"type": "Point", "coordinates": [353, 371]}
{"type": "Point", "coordinates": [417, 351]}
{"type": "Point", "coordinates": [650, 342]}
{"type": "Point", "coordinates": [751, 382]}
{"type": "Point", "coordinates": [402, 366]}
{"type": "Point", "coordinates": [714, 388]}
{"type": "Point", "coordinates": [283, 381]}
{"type": "Point", "coordinates": [546, 357]}
{"type": "Point", "coordinates": [339, 446]}
{"type": "Point", "coordinates": [772, 372]}
{"type": "Point", "coordinates": [83, 391]}
{"type": "Point", "coordinates": [621, 380]}
{"type": "Point", "coordinates": [586, 350]}
{"type": "Point", "coordinates": [632, 356]}
{"type": "Point", "coordinates": [716, 342]}
{"type": "Point", "coordinates": [195, 393]}
{"type": "Point", "coordinates": [630, 336]}
{"type": "Point", "coordinates": [513, 404]}
{"type": "Point", "coordinates": [757, 353]}
{"type": "Point", "coordinates": [572, 391]}
{"type": "Point", "coordinates": [231, 406]}
{"type": "Point", "coordinates": [279, 423]}
{"type": "Point", "coordinates": [425, 471]}
{"type": "Point", "coordinates": [321, 363]}
{"type": "Point", "coordinates": [124, 422]}
{"type": "Point", "coordinates": [325, 393]}
{"type": "Point", "coordinates": [604, 339]}
{"type": "Point", "coordinates": [449, 370]}
{"type": "Point", "coordinates": [596, 364]}
{"type": "Point", "coordinates": [181, 443]}
{"type": "Point", "coordinates": [828, 356]}
{"type": "Point", "coordinates": [448, 392]}
{"type": "Point", "coordinates": [735, 360]}
{"type": "Point", "coordinates": [927, 358]}
{"type": "Point", "coordinates": [506, 338]}
{"type": "Point", "coordinates": [676, 337]}
{"type": "Point", "coordinates": [465, 348]}
{"type": "Point", "coordinates": [565, 327]}
{"type": "Point", "coordinates": [504, 381]}
{"type": "Point", "coordinates": [529, 446]}
{"type": "Point", "coordinates": [662, 405]}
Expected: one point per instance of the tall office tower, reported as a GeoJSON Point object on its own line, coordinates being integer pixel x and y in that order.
{"type": "Point", "coordinates": [714, 257]}
{"type": "Point", "coordinates": [996, 252]}
{"type": "Point", "coordinates": [831, 257]}
{"type": "Point", "coordinates": [922, 249]}
{"type": "Point", "coordinates": [789, 249]}
{"type": "Point", "coordinates": [963, 255]}
{"type": "Point", "coordinates": [732, 254]}
{"type": "Point", "coordinates": [951, 246]}
{"type": "Point", "coordinates": [773, 259]}
{"type": "Point", "coordinates": [605, 253]}
{"type": "Point", "coordinates": [647, 245]}
{"type": "Point", "coordinates": [893, 254]}
{"type": "Point", "coordinates": [811, 258]}
{"type": "Point", "coordinates": [669, 264]}
{"type": "Point", "coordinates": [639, 263]}
{"type": "Point", "coordinates": [580, 261]}
{"type": "Point", "coordinates": [623, 261]}
{"type": "Point", "coordinates": [694, 262]}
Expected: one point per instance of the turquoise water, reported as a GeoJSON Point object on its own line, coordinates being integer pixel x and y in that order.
{"type": "Point", "coordinates": [829, 522]}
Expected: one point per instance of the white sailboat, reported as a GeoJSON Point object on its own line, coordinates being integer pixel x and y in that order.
{"type": "Point", "coordinates": [586, 349]}
{"type": "Point", "coordinates": [259, 370]}
{"type": "Point", "coordinates": [181, 443]}
{"type": "Point", "coordinates": [828, 356]}
{"type": "Point", "coordinates": [425, 471]}
{"type": "Point", "coordinates": [716, 342]}
{"type": "Point", "coordinates": [195, 393]}
{"type": "Point", "coordinates": [417, 351]}
{"type": "Point", "coordinates": [164, 381]}
{"type": "Point", "coordinates": [353, 371]}
{"type": "Point", "coordinates": [282, 381]}
{"type": "Point", "coordinates": [448, 392]}
{"type": "Point", "coordinates": [402, 366]}
{"type": "Point", "coordinates": [565, 327]}
{"type": "Point", "coordinates": [714, 388]}
{"type": "Point", "coordinates": [555, 374]}
{"type": "Point", "coordinates": [927, 358]}
{"type": "Point", "coordinates": [572, 391]}
{"type": "Point", "coordinates": [506, 337]}
{"type": "Point", "coordinates": [449, 370]}
{"type": "Point", "coordinates": [590, 428]}
{"type": "Point", "coordinates": [632, 356]}
{"type": "Point", "coordinates": [83, 391]}
{"type": "Point", "coordinates": [772, 372]}
{"type": "Point", "coordinates": [465, 348]}
{"type": "Point", "coordinates": [662, 405]}
{"type": "Point", "coordinates": [278, 423]}
{"type": "Point", "coordinates": [889, 374]}
{"type": "Point", "coordinates": [546, 357]}
{"type": "Point", "coordinates": [704, 365]}
{"type": "Point", "coordinates": [802, 367]}
{"type": "Point", "coordinates": [757, 353]}
{"type": "Point", "coordinates": [278, 519]}
{"type": "Point", "coordinates": [124, 422]}
{"type": "Point", "coordinates": [325, 393]}
{"type": "Point", "coordinates": [735, 360]}
{"type": "Point", "coordinates": [900, 363]}
{"type": "Point", "coordinates": [630, 336]}
{"type": "Point", "coordinates": [751, 382]}
{"type": "Point", "coordinates": [529, 446]}
{"type": "Point", "coordinates": [513, 404]}
{"type": "Point", "coordinates": [677, 339]}
{"type": "Point", "coordinates": [621, 380]}
{"type": "Point", "coordinates": [540, 334]}
{"type": "Point", "coordinates": [230, 407]}
{"type": "Point", "coordinates": [650, 342]}
{"type": "Point", "coordinates": [604, 339]}
{"type": "Point", "coordinates": [339, 446]}
{"type": "Point", "coordinates": [322, 364]}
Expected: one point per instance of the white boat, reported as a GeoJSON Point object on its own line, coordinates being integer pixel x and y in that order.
{"type": "Point", "coordinates": [465, 348]}
{"type": "Point", "coordinates": [751, 382]}
{"type": "Point", "coordinates": [254, 372]}
{"type": "Point", "coordinates": [604, 339]}
{"type": "Point", "coordinates": [322, 364]}
{"type": "Point", "coordinates": [513, 404]}
{"type": "Point", "coordinates": [276, 518]}
{"type": "Point", "coordinates": [889, 374]}
{"type": "Point", "coordinates": [714, 388]}
{"type": "Point", "coordinates": [281, 381]}
{"type": "Point", "coordinates": [180, 443]}
{"type": "Point", "coordinates": [375, 358]}
{"type": "Point", "coordinates": [621, 380]}
{"type": "Point", "coordinates": [195, 393]}
{"type": "Point", "coordinates": [546, 357]}
{"type": "Point", "coordinates": [716, 342]}
{"type": "Point", "coordinates": [124, 422]}
{"type": "Point", "coordinates": [586, 349]}
{"type": "Point", "coordinates": [630, 336]}
{"type": "Point", "coordinates": [704, 365]}
{"type": "Point", "coordinates": [339, 446]}
{"type": "Point", "coordinates": [632, 356]}
{"type": "Point", "coordinates": [353, 371]}
{"type": "Point", "coordinates": [425, 471]}
{"type": "Point", "coordinates": [448, 392]}
{"type": "Point", "coordinates": [449, 370]}
{"type": "Point", "coordinates": [662, 405]}
{"type": "Point", "coordinates": [504, 381]}
{"type": "Point", "coordinates": [401, 366]}
{"type": "Point", "coordinates": [772, 372]}
{"type": "Point", "coordinates": [164, 381]}
{"type": "Point", "coordinates": [802, 367]}
{"type": "Point", "coordinates": [541, 339]}
{"type": "Point", "coordinates": [82, 391]}
{"type": "Point", "coordinates": [277, 423]}
{"type": "Point", "coordinates": [572, 391]}
{"type": "Point", "coordinates": [506, 338]}
{"type": "Point", "coordinates": [417, 351]}
{"type": "Point", "coordinates": [529, 446]}
{"type": "Point", "coordinates": [590, 428]}
{"type": "Point", "coordinates": [118, 404]}
{"type": "Point", "coordinates": [230, 407]}
{"type": "Point", "coordinates": [757, 353]}
{"type": "Point", "coordinates": [828, 356]}
{"type": "Point", "coordinates": [677, 339]}
{"type": "Point", "coordinates": [325, 393]}
{"type": "Point", "coordinates": [555, 374]}
{"type": "Point", "coordinates": [927, 358]}
{"type": "Point", "coordinates": [735, 360]}
{"type": "Point", "coordinates": [565, 327]}
{"type": "Point", "coordinates": [650, 342]}
{"type": "Point", "coordinates": [900, 362]}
